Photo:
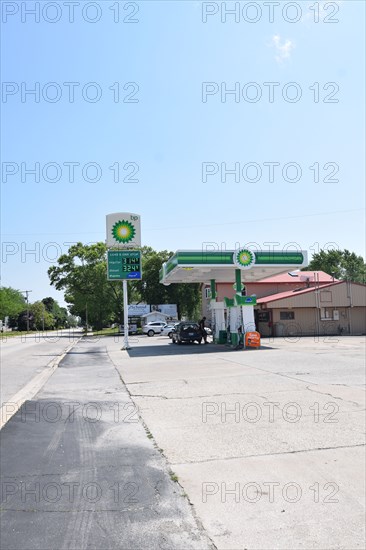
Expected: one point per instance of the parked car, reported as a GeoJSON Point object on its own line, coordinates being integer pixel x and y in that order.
{"type": "Point", "coordinates": [187, 331]}
{"type": "Point", "coordinates": [168, 330]}
{"type": "Point", "coordinates": [152, 328]}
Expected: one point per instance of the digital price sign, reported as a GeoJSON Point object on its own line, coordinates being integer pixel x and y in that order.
{"type": "Point", "coordinates": [124, 264]}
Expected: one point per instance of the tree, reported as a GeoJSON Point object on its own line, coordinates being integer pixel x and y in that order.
{"type": "Point", "coordinates": [12, 302]}
{"type": "Point", "coordinates": [41, 318]}
{"type": "Point", "coordinates": [187, 296]}
{"type": "Point", "coordinates": [72, 321]}
{"type": "Point", "coordinates": [354, 267]}
{"type": "Point", "coordinates": [189, 299]}
{"type": "Point", "coordinates": [342, 264]}
{"type": "Point", "coordinates": [82, 274]}
{"type": "Point", "coordinates": [149, 289]}
{"type": "Point", "coordinates": [59, 314]}
{"type": "Point", "coordinates": [20, 322]}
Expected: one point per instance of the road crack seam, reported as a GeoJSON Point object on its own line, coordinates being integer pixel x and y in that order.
{"type": "Point", "coordinates": [240, 457]}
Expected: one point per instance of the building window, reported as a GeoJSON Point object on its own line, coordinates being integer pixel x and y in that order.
{"type": "Point", "coordinates": [208, 293]}
{"type": "Point", "coordinates": [326, 314]}
{"type": "Point", "coordinates": [287, 315]}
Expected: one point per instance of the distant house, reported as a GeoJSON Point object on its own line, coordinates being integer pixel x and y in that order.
{"type": "Point", "coordinates": [330, 309]}
{"type": "Point", "coordinates": [278, 283]}
{"type": "Point", "coordinates": [302, 303]}
{"type": "Point", "coordinates": [268, 286]}
{"type": "Point", "coordinates": [154, 316]}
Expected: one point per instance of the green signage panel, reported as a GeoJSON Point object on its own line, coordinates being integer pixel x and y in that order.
{"type": "Point", "coordinates": [245, 300]}
{"type": "Point", "coordinates": [124, 264]}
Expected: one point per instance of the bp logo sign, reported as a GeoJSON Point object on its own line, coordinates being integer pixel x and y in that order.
{"type": "Point", "coordinates": [123, 231]}
{"type": "Point", "coordinates": [243, 258]}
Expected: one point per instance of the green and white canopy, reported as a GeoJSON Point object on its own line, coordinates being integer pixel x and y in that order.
{"type": "Point", "coordinates": [199, 266]}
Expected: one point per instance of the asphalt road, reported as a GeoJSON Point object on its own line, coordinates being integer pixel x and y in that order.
{"type": "Point", "coordinates": [79, 470]}
{"type": "Point", "coordinates": [22, 357]}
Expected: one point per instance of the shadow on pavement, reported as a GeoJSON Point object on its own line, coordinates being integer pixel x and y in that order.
{"type": "Point", "coordinates": [102, 350]}
{"type": "Point", "coordinates": [184, 349]}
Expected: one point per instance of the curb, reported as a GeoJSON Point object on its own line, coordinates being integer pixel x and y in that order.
{"type": "Point", "coordinates": [12, 406]}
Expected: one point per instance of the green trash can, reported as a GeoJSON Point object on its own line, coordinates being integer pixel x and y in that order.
{"type": "Point", "coordinates": [222, 337]}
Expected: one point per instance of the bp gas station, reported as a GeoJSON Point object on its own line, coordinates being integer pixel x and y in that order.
{"type": "Point", "coordinates": [233, 318]}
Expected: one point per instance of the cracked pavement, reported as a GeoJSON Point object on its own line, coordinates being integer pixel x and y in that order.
{"type": "Point", "coordinates": [268, 444]}
{"type": "Point", "coordinates": [190, 447]}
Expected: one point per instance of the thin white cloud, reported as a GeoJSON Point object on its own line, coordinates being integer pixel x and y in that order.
{"type": "Point", "coordinates": [282, 48]}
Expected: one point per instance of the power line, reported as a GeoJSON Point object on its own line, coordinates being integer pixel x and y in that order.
{"type": "Point", "coordinates": [241, 222]}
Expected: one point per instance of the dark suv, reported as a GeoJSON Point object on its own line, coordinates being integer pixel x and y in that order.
{"type": "Point", "coordinates": [187, 331]}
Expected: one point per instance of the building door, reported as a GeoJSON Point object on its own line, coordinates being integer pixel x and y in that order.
{"type": "Point", "coordinates": [264, 322]}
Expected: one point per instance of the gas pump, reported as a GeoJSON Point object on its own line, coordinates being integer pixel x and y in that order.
{"type": "Point", "coordinates": [251, 336]}
{"type": "Point", "coordinates": [218, 320]}
{"type": "Point", "coordinates": [240, 321]}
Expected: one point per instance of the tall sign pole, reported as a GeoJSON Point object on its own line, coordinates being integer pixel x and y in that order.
{"type": "Point", "coordinates": [126, 344]}
{"type": "Point", "coordinates": [124, 263]}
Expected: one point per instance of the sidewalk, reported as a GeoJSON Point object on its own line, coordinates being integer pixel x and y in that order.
{"type": "Point", "coordinates": [79, 470]}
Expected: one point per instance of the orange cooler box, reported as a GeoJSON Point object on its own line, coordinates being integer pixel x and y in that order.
{"type": "Point", "coordinates": [252, 339]}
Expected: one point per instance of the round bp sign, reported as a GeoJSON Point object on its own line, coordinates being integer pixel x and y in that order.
{"type": "Point", "coordinates": [244, 258]}
{"type": "Point", "coordinates": [123, 230]}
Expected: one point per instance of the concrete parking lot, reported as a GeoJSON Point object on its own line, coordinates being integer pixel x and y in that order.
{"type": "Point", "coordinates": [268, 444]}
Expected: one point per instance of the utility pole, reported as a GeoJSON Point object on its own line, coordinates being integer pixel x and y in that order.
{"type": "Point", "coordinates": [26, 292]}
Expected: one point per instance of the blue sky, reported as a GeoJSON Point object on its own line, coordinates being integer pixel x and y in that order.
{"type": "Point", "coordinates": [169, 132]}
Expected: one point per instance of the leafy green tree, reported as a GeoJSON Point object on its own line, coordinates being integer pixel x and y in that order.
{"type": "Point", "coordinates": [354, 267]}
{"type": "Point", "coordinates": [189, 300]}
{"type": "Point", "coordinates": [82, 274]}
{"type": "Point", "coordinates": [49, 303]}
{"type": "Point", "coordinates": [19, 322]}
{"type": "Point", "coordinates": [41, 318]}
{"type": "Point", "coordinates": [59, 314]}
{"type": "Point", "coordinates": [186, 296]}
{"type": "Point", "coordinates": [12, 302]}
{"type": "Point", "coordinates": [149, 289]}
{"type": "Point", "coordinates": [342, 264]}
